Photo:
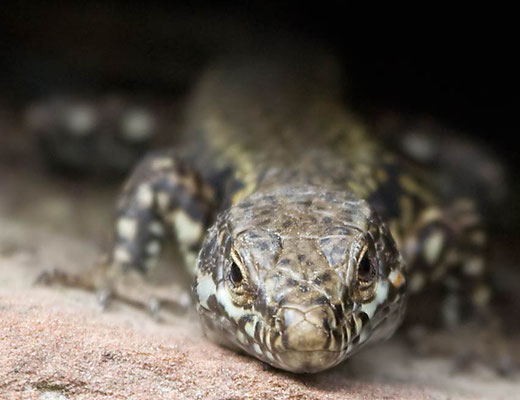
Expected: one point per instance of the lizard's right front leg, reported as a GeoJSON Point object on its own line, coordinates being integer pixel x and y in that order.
{"type": "Point", "coordinates": [163, 196]}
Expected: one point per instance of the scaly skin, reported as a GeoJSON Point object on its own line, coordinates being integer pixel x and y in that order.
{"type": "Point", "coordinates": [317, 235]}
{"type": "Point", "coordinates": [316, 192]}
{"type": "Point", "coordinates": [320, 276]}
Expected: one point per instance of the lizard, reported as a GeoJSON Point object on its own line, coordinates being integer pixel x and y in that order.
{"type": "Point", "coordinates": [304, 236]}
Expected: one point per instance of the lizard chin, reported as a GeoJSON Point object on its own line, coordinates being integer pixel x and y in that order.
{"type": "Point", "coordinates": [308, 361]}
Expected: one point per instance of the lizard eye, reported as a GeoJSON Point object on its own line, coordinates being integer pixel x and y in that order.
{"type": "Point", "coordinates": [237, 281]}
{"type": "Point", "coordinates": [366, 282]}
{"type": "Point", "coordinates": [235, 275]}
{"type": "Point", "coordinates": [366, 270]}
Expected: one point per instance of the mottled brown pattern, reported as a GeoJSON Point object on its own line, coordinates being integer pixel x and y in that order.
{"type": "Point", "coordinates": [321, 233]}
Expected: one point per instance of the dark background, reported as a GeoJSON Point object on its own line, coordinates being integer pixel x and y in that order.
{"type": "Point", "coordinates": [456, 65]}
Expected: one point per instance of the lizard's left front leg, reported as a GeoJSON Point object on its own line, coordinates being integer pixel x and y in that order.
{"type": "Point", "coordinates": [447, 256]}
{"type": "Point", "coordinates": [445, 250]}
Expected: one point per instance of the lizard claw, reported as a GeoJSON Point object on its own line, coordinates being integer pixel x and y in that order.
{"type": "Point", "coordinates": [48, 278]}
{"type": "Point", "coordinates": [506, 366]}
{"type": "Point", "coordinates": [154, 307]}
{"type": "Point", "coordinates": [105, 297]}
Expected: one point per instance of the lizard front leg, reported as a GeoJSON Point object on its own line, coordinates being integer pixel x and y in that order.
{"type": "Point", "coordinates": [447, 255]}
{"type": "Point", "coordinates": [163, 197]}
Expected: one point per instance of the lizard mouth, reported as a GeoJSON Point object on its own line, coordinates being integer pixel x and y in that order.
{"type": "Point", "coordinates": [307, 361]}
{"type": "Point", "coordinates": [311, 340]}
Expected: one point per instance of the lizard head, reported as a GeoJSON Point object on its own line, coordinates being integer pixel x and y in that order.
{"type": "Point", "coordinates": [300, 278]}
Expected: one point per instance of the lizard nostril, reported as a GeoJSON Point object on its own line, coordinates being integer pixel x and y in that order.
{"type": "Point", "coordinates": [305, 329]}
{"type": "Point", "coordinates": [317, 316]}
{"type": "Point", "coordinates": [291, 316]}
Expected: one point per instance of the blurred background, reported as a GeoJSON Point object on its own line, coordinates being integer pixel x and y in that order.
{"type": "Point", "coordinates": [456, 65]}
